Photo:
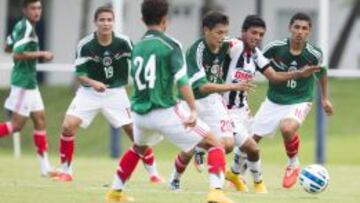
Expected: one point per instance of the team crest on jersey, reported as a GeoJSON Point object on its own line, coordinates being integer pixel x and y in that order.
{"type": "Point", "coordinates": [107, 61]}
{"type": "Point", "coordinates": [293, 66]}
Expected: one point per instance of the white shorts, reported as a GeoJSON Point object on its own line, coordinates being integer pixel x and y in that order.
{"type": "Point", "coordinates": [150, 128]}
{"type": "Point", "coordinates": [113, 104]}
{"type": "Point", "coordinates": [24, 101]}
{"type": "Point", "coordinates": [213, 111]}
{"type": "Point", "coordinates": [270, 114]}
{"type": "Point", "coordinates": [243, 121]}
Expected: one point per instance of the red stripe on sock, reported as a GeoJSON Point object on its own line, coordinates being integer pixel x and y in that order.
{"type": "Point", "coordinates": [127, 164]}
{"type": "Point", "coordinates": [216, 160]}
{"type": "Point", "coordinates": [40, 141]}
{"type": "Point", "coordinates": [66, 148]}
{"type": "Point", "coordinates": [5, 129]}
{"type": "Point", "coordinates": [148, 157]}
{"type": "Point", "coordinates": [292, 146]}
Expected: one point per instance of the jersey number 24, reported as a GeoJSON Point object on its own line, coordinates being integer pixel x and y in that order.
{"type": "Point", "coordinates": [147, 70]}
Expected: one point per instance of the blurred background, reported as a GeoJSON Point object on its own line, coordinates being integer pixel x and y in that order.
{"type": "Point", "coordinates": [64, 22]}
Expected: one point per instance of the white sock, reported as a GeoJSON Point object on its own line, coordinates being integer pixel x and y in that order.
{"type": "Point", "coordinates": [151, 169]}
{"type": "Point", "coordinates": [175, 175]}
{"type": "Point", "coordinates": [117, 183]}
{"type": "Point", "coordinates": [216, 180]}
{"type": "Point", "coordinates": [239, 164]}
{"type": "Point", "coordinates": [255, 169]}
{"type": "Point", "coordinates": [294, 161]}
{"type": "Point", "coordinates": [66, 168]}
{"type": "Point", "coordinates": [45, 166]}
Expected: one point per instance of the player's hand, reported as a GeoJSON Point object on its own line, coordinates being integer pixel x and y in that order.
{"type": "Point", "coordinates": [98, 86]}
{"type": "Point", "coordinates": [327, 106]}
{"type": "Point", "coordinates": [308, 70]}
{"type": "Point", "coordinates": [243, 86]}
{"type": "Point", "coordinates": [190, 122]}
{"type": "Point", "coordinates": [47, 55]}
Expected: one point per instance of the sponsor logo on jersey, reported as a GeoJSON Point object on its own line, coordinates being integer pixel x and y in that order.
{"type": "Point", "coordinates": [242, 75]}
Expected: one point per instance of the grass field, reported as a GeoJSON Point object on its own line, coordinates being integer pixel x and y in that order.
{"type": "Point", "coordinates": [20, 182]}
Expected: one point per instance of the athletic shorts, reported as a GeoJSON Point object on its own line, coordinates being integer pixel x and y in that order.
{"type": "Point", "coordinates": [24, 101]}
{"type": "Point", "coordinates": [150, 128]}
{"type": "Point", "coordinates": [270, 114]}
{"type": "Point", "coordinates": [113, 104]}
{"type": "Point", "coordinates": [242, 122]}
{"type": "Point", "coordinates": [213, 111]}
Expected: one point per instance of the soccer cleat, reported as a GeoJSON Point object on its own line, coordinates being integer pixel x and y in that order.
{"type": "Point", "coordinates": [217, 196]}
{"type": "Point", "coordinates": [260, 187]}
{"type": "Point", "coordinates": [237, 181]}
{"type": "Point", "coordinates": [63, 177]}
{"type": "Point", "coordinates": [156, 179]}
{"type": "Point", "coordinates": [117, 196]}
{"type": "Point", "coordinates": [174, 185]}
{"type": "Point", "coordinates": [291, 176]}
{"type": "Point", "coordinates": [52, 174]}
{"type": "Point", "coordinates": [199, 161]}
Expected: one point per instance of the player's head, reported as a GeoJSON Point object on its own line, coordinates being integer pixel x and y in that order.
{"type": "Point", "coordinates": [253, 31]}
{"type": "Point", "coordinates": [154, 13]}
{"type": "Point", "coordinates": [299, 27]}
{"type": "Point", "coordinates": [104, 20]}
{"type": "Point", "coordinates": [32, 10]}
{"type": "Point", "coordinates": [215, 26]}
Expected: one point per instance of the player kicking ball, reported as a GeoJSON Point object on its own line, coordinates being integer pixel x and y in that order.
{"type": "Point", "coordinates": [102, 67]}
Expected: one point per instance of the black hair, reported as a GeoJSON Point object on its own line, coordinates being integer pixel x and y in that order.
{"type": "Point", "coordinates": [25, 3]}
{"type": "Point", "coordinates": [153, 11]}
{"type": "Point", "coordinates": [253, 21]}
{"type": "Point", "coordinates": [103, 9]}
{"type": "Point", "coordinates": [212, 18]}
{"type": "Point", "coordinates": [300, 16]}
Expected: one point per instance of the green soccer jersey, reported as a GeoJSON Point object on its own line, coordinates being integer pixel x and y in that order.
{"type": "Point", "coordinates": [157, 63]}
{"type": "Point", "coordinates": [205, 66]}
{"type": "Point", "coordinates": [24, 39]}
{"type": "Point", "coordinates": [107, 64]}
{"type": "Point", "coordinates": [292, 91]}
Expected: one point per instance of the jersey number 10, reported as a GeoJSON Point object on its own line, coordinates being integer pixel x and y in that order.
{"type": "Point", "coordinates": [148, 72]}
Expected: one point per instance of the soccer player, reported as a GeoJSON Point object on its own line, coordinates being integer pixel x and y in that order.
{"type": "Point", "coordinates": [102, 67]}
{"type": "Point", "coordinates": [157, 65]}
{"type": "Point", "coordinates": [288, 103]}
{"type": "Point", "coordinates": [205, 59]}
{"type": "Point", "coordinates": [25, 99]}
{"type": "Point", "coordinates": [245, 60]}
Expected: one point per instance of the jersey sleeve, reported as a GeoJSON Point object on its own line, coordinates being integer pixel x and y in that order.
{"type": "Point", "coordinates": [262, 63]}
{"type": "Point", "coordinates": [269, 51]}
{"type": "Point", "coordinates": [178, 66]}
{"type": "Point", "coordinates": [196, 70]}
{"type": "Point", "coordinates": [81, 61]}
{"type": "Point", "coordinates": [235, 47]}
{"type": "Point", "coordinates": [323, 66]}
{"type": "Point", "coordinates": [20, 39]}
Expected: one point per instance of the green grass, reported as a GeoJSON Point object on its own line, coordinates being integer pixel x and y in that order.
{"type": "Point", "coordinates": [20, 182]}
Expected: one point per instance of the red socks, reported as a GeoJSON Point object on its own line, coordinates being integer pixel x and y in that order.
{"type": "Point", "coordinates": [127, 164]}
{"type": "Point", "coordinates": [292, 146]}
{"type": "Point", "coordinates": [5, 129]}
{"type": "Point", "coordinates": [66, 148]}
{"type": "Point", "coordinates": [40, 141]}
{"type": "Point", "coordinates": [180, 166]}
{"type": "Point", "coordinates": [216, 160]}
{"type": "Point", "coordinates": [148, 157]}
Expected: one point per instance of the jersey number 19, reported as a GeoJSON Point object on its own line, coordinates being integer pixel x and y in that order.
{"type": "Point", "coordinates": [147, 70]}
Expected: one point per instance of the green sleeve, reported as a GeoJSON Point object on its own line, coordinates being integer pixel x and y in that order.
{"type": "Point", "coordinates": [178, 66]}
{"type": "Point", "coordinates": [81, 62]}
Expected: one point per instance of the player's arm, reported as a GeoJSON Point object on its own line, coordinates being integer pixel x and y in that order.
{"type": "Point", "coordinates": [209, 88]}
{"type": "Point", "coordinates": [30, 55]}
{"type": "Point", "coordinates": [328, 108]}
{"type": "Point", "coordinates": [278, 77]}
{"type": "Point", "coordinates": [98, 86]}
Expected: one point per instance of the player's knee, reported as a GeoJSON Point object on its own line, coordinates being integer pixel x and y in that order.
{"type": "Point", "coordinates": [253, 153]}
{"type": "Point", "coordinates": [229, 146]}
{"type": "Point", "coordinates": [287, 130]}
{"type": "Point", "coordinates": [140, 149]}
{"type": "Point", "coordinates": [68, 129]}
{"type": "Point", "coordinates": [17, 127]}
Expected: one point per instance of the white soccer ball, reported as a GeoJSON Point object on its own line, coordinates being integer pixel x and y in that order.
{"type": "Point", "coordinates": [314, 178]}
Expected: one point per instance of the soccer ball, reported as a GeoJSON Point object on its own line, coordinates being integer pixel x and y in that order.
{"type": "Point", "coordinates": [314, 178]}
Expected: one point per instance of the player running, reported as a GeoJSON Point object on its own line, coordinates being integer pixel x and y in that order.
{"type": "Point", "coordinates": [245, 60]}
{"type": "Point", "coordinates": [102, 67]}
{"type": "Point", "coordinates": [157, 65]}
{"type": "Point", "coordinates": [25, 99]}
{"type": "Point", "coordinates": [288, 103]}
